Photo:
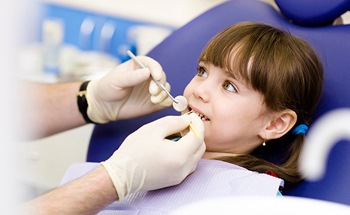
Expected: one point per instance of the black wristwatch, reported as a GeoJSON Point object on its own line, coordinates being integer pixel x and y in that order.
{"type": "Point", "coordinates": [82, 101]}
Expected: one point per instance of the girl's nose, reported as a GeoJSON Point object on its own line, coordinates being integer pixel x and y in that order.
{"type": "Point", "coordinates": [202, 91]}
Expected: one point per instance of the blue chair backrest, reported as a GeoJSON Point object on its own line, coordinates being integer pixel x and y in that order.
{"type": "Point", "coordinates": [178, 55]}
{"type": "Point", "coordinates": [311, 12]}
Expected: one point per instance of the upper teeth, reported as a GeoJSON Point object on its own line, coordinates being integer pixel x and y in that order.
{"type": "Point", "coordinates": [203, 117]}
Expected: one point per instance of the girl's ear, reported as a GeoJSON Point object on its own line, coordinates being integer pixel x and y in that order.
{"type": "Point", "coordinates": [279, 124]}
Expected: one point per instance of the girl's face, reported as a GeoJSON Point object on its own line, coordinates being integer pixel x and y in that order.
{"type": "Point", "coordinates": [233, 114]}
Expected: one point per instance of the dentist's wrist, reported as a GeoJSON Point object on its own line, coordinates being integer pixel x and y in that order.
{"type": "Point", "coordinates": [82, 101]}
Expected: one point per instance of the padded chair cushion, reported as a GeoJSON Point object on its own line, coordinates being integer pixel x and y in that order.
{"type": "Point", "coordinates": [178, 55]}
{"type": "Point", "coordinates": [313, 12]}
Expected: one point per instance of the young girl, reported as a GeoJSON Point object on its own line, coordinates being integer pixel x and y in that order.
{"type": "Point", "coordinates": [256, 89]}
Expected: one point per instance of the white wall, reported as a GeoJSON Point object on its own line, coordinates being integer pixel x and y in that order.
{"type": "Point", "coordinates": [15, 15]}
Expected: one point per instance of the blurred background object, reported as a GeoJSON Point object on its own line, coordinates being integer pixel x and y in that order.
{"type": "Point", "coordinates": [17, 18]}
{"type": "Point", "coordinates": [327, 131]}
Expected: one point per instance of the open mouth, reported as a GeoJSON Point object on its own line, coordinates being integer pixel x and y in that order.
{"type": "Point", "coordinates": [203, 117]}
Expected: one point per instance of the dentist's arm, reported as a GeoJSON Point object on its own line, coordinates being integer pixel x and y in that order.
{"type": "Point", "coordinates": [47, 109]}
{"type": "Point", "coordinates": [86, 195]}
{"type": "Point", "coordinates": [124, 93]}
{"type": "Point", "coordinates": [145, 161]}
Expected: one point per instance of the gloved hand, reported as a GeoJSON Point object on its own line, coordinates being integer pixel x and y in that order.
{"type": "Point", "coordinates": [127, 91]}
{"type": "Point", "coordinates": [147, 160]}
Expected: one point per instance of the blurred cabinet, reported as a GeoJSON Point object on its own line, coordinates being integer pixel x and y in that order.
{"type": "Point", "coordinates": [98, 32]}
{"type": "Point", "coordinates": [113, 26]}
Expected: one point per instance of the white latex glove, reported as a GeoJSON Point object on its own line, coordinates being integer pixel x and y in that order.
{"type": "Point", "coordinates": [127, 91]}
{"type": "Point", "coordinates": [147, 160]}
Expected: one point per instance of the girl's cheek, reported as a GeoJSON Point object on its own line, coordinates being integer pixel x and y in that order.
{"type": "Point", "coordinates": [187, 91]}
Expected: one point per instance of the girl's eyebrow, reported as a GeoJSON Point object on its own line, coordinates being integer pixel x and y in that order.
{"type": "Point", "coordinates": [231, 75]}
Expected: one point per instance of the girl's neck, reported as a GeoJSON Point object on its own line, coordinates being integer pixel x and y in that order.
{"type": "Point", "coordinates": [212, 155]}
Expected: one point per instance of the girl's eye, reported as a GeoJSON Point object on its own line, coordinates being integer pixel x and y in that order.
{"type": "Point", "coordinates": [229, 87]}
{"type": "Point", "coordinates": [201, 72]}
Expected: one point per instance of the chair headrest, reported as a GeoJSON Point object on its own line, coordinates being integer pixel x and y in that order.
{"type": "Point", "coordinates": [313, 12]}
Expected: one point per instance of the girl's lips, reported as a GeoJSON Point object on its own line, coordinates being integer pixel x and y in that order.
{"type": "Point", "coordinates": [202, 116]}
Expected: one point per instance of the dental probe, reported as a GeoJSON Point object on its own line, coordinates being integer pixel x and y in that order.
{"type": "Point", "coordinates": [179, 102]}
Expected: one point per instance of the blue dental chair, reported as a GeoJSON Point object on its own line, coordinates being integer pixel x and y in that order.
{"type": "Point", "coordinates": [179, 52]}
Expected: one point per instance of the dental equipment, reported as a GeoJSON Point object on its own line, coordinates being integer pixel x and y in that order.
{"type": "Point", "coordinates": [322, 136]}
{"type": "Point", "coordinates": [179, 102]}
{"type": "Point", "coordinates": [194, 130]}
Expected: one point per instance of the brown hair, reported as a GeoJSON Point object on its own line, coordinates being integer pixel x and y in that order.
{"type": "Point", "coordinates": [286, 71]}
